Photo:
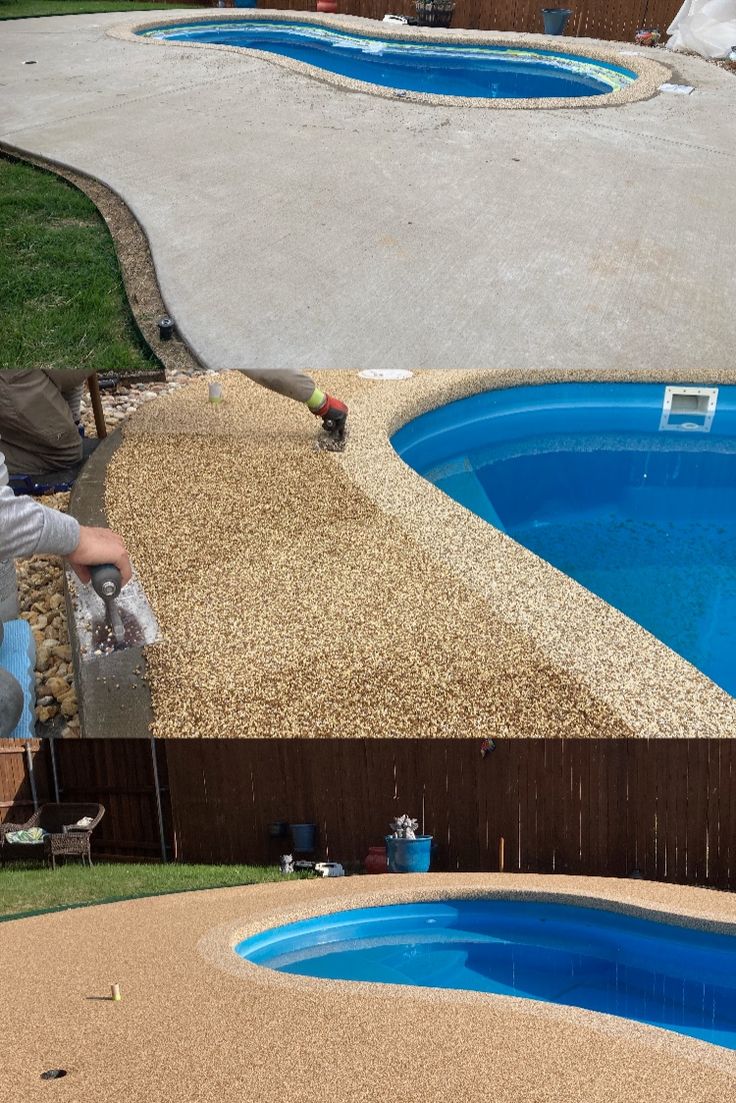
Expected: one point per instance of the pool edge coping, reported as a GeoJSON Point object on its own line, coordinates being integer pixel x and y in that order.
{"type": "Point", "coordinates": [218, 946]}
{"type": "Point", "coordinates": [651, 73]}
{"type": "Point", "coordinates": [550, 609]}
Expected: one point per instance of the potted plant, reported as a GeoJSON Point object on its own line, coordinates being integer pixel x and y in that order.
{"type": "Point", "coordinates": [407, 851]}
{"type": "Point", "coordinates": [555, 19]}
{"type": "Point", "coordinates": [434, 13]}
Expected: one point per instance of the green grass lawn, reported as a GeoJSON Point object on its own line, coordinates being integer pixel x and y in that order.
{"type": "Point", "coordinates": [34, 888]}
{"type": "Point", "coordinates": [64, 304]}
{"type": "Point", "coordinates": [23, 9]}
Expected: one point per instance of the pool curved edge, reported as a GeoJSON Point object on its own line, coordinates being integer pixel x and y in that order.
{"type": "Point", "coordinates": [689, 907]}
{"type": "Point", "coordinates": [644, 689]}
{"type": "Point", "coordinates": [650, 73]}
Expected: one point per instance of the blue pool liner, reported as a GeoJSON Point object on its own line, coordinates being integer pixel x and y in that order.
{"type": "Point", "coordinates": [18, 657]}
{"type": "Point", "coordinates": [486, 70]}
{"type": "Point", "coordinates": [615, 485]}
{"type": "Point", "coordinates": [674, 977]}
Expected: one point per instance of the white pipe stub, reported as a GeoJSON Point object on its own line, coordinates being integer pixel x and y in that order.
{"type": "Point", "coordinates": [385, 373]}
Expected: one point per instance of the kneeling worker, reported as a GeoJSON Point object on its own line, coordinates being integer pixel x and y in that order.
{"type": "Point", "coordinates": [29, 528]}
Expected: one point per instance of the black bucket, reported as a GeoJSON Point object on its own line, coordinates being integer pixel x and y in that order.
{"type": "Point", "coordinates": [303, 837]}
{"type": "Point", "coordinates": [434, 13]}
{"type": "Point", "coordinates": [555, 19]}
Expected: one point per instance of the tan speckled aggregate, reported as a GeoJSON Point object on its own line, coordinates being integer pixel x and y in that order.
{"type": "Point", "coordinates": [196, 1023]}
{"type": "Point", "coordinates": [651, 73]}
{"type": "Point", "coordinates": [313, 594]}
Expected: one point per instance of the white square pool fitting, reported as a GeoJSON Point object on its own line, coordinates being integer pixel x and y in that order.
{"type": "Point", "coordinates": [688, 409]}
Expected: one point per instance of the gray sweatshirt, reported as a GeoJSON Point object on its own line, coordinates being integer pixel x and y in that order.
{"type": "Point", "coordinates": [28, 528]}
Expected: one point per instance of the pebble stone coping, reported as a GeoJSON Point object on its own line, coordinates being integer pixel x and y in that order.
{"type": "Point", "coordinates": [443, 626]}
{"type": "Point", "coordinates": [651, 73]}
{"type": "Point", "coordinates": [196, 1021]}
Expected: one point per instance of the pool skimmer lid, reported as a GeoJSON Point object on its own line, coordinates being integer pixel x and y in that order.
{"type": "Point", "coordinates": [676, 89]}
{"type": "Point", "coordinates": [385, 373]}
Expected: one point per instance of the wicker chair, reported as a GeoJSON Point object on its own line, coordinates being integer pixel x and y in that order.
{"type": "Point", "coordinates": [63, 839]}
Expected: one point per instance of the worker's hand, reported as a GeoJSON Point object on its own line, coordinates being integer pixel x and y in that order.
{"type": "Point", "coordinates": [99, 546]}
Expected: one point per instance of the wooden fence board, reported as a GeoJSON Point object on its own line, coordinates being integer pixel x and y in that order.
{"type": "Point", "coordinates": [666, 808]}
{"type": "Point", "coordinates": [616, 20]}
{"type": "Point", "coordinates": [16, 793]}
{"type": "Point", "coordinates": [117, 773]}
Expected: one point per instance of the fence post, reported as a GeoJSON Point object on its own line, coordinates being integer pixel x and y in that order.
{"type": "Point", "coordinates": [31, 776]}
{"type": "Point", "coordinates": [54, 775]}
{"type": "Point", "coordinates": [164, 858]}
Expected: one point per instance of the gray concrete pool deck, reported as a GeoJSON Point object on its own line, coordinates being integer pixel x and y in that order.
{"type": "Point", "coordinates": [295, 224]}
{"type": "Point", "coordinates": [196, 1022]}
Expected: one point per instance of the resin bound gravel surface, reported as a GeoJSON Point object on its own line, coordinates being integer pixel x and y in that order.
{"type": "Point", "coordinates": [311, 594]}
{"type": "Point", "coordinates": [196, 1022]}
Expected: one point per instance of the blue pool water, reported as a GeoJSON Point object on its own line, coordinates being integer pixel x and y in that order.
{"type": "Point", "coordinates": [494, 72]}
{"type": "Point", "coordinates": [672, 977]}
{"type": "Point", "coordinates": [583, 475]}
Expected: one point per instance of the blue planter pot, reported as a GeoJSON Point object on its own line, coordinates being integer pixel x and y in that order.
{"type": "Point", "coordinates": [303, 836]}
{"type": "Point", "coordinates": [409, 855]}
{"type": "Point", "coordinates": [555, 19]}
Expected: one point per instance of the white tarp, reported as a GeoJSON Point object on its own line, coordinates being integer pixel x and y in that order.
{"type": "Point", "coordinates": [707, 27]}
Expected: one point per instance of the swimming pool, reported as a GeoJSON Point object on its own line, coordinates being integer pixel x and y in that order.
{"type": "Point", "coordinates": [491, 72]}
{"type": "Point", "coordinates": [628, 488]}
{"type": "Point", "coordinates": [664, 975]}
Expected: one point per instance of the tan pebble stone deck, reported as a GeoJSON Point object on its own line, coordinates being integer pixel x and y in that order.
{"type": "Point", "coordinates": [650, 72]}
{"type": "Point", "coordinates": [196, 1023]}
{"type": "Point", "coordinates": [312, 594]}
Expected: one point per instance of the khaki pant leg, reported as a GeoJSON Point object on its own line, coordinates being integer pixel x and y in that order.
{"type": "Point", "coordinates": [36, 426]}
{"type": "Point", "coordinates": [67, 379]}
{"type": "Point", "coordinates": [286, 381]}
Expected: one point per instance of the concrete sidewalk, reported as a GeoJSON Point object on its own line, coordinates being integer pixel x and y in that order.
{"type": "Point", "coordinates": [294, 224]}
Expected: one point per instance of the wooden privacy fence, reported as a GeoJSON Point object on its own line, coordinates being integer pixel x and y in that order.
{"type": "Point", "coordinates": [117, 773]}
{"type": "Point", "coordinates": [666, 808]}
{"type": "Point", "coordinates": [616, 20]}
